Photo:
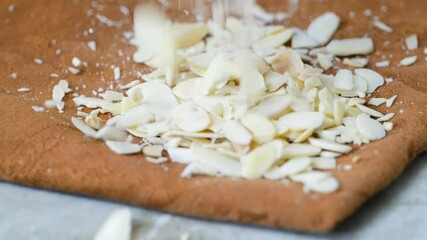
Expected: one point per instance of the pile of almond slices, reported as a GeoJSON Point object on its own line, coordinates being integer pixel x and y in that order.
{"type": "Point", "coordinates": [228, 98]}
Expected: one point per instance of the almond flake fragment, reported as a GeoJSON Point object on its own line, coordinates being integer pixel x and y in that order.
{"type": "Point", "coordinates": [91, 45]}
{"type": "Point", "coordinates": [386, 117]}
{"type": "Point", "coordinates": [352, 46]}
{"type": "Point", "coordinates": [377, 101]}
{"type": "Point", "coordinates": [37, 108]}
{"type": "Point", "coordinates": [85, 129]}
{"type": "Point", "coordinates": [343, 79]}
{"type": "Point", "coordinates": [123, 147]}
{"type": "Point", "coordinates": [181, 155]}
{"type": "Point", "coordinates": [118, 226]}
{"type": "Point", "coordinates": [408, 61]}
{"type": "Point", "coordinates": [390, 101]}
{"type": "Point", "coordinates": [369, 111]}
{"type": "Point", "coordinates": [38, 61]}
{"type": "Point", "coordinates": [24, 89]}
{"type": "Point", "coordinates": [93, 122]}
{"type": "Point", "coordinates": [382, 64]}
{"type": "Point", "coordinates": [191, 118]}
{"type": "Point", "coordinates": [382, 26]}
{"type": "Point", "coordinates": [371, 77]}
{"type": "Point", "coordinates": [412, 42]}
{"type": "Point", "coordinates": [388, 126]}
{"type": "Point", "coordinates": [153, 150]}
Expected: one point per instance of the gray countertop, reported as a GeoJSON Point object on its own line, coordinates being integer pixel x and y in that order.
{"type": "Point", "coordinates": [398, 212]}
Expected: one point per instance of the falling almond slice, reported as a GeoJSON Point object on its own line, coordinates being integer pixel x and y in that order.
{"type": "Point", "coordinates": [272, 41]}
{"type": "Point", "coordinates": [118, 226]}
{"type": "Point", "coordinates": [189, 34]}
{"type": "Point", "coordinates": [352, 46]}
{"type": "Point", "coordinates": [323, 27]}
{"type": "Point", "coordinates": [408, 61]}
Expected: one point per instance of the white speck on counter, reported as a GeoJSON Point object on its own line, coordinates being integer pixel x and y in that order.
{"type": "Point", "coordinates": [13, 75]}
{"type": "Point", "coordinates": [91, 45]}
{"type": "Point", "coordinates": [24, 89]}
{"type": "Point", "coordinates": [38, 61]}
{"type": "Point", "coordinates": [37, 108]}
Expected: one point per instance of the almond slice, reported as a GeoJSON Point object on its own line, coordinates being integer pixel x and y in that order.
{"type": "Point", "coordinates": [296, 150]}
{"type": "Point", "coordinates": [273, 40]}
{"type": "Point", "coordinates": [118, 226]}
{"type": "Point", "coordinates": [189, 34]}
{"type": "Point", "coordinates": [377, 101]}
{"type": "Point", "coordinates": [373, 78]}
{"type": "Point", "coordinates": [191, 118]}
{"type": "Point", "coordinates": [153, 150]}
{"type": "Point", "coordinates": [260, 127]}
{"type": "Point", "coordinates": [328, 154]}
{"type": "Point", "coordinates": [181, 155]}
{"type": "Point", "coordinates": [369, 111]}
{"type": "Point", "coordinates": [291, 167]}
{"type": "Point", "coordinates": [327, 185]}
{"type": "Point", "coordinates": [343, 79]}
{"type": "Point", "coordinates": [329, 145]}
{"type": "Point", "coordinates": [83, 127]}
{"type": "Point", "coordinates": [323, 27]}
{"type": "Point", "coordinates": [274, 80]}
{"type": "Point", "coordinates": [216, 75]}
{"type": "Point", "coordinates": [386, 117]}
{"type": "Point", "coordinates": [370, 128]}
{"type": "Point", "coordinates": [123, 147]}
{"type": "Point", "coordinates": [297, 121]}
{"type": "Point", "coordinates": [301, 39]}
{"type": "Point", "coordinates": [352, 46]}
{"type": "Point", "coordinates": [111, 133]}
{"type": "Point", "coordinates": [223, 165]}
{"type": "Point", "coordinates": [272, 107]}
{"type": "Point", "coordinates": [259, 160]}
{"type": "Point", "coordinates": [324, 163]}
{"type": "Point", "coordinates": [357, 62]}
{"type": "Point", "coordinates": [412, 42]}
{"type": "Point", "coordinates": [408, 61]}
{"type": "Point", "coordinates": [339, 111]}
{"type": "Point", "coordinates": [236, 133]}
{"type": "Point", "coordinates": [390, 101]}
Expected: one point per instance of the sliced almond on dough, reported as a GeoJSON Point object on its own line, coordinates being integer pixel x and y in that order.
{"type": "Point", "coordinates": [259, 160]}
{"type": "Point", "coordinates": [272, 107]}
{"type": "Point", "coordinates": [222, 164]}
{"type": "Point", "coordinates": [123, 147]}
{"type": "Point", "coordinates": [323, 27]}
{"type": "Point", "coordinates": [324, 163]}
{"type": "Point", "coordinates": [330, 145]}
{"type": "Point", "coordinates": [296, 150]}
{"type": "Point", "coordinates": [236, 133]}
{"type": "Point", "coordinates": [153, 150]}
{"type": "Point", "coordinates": [191, 118]}
{"type": "Point", "coordinates": [189, 34]}
{"type": "Point", "coordinates": [260, 127]}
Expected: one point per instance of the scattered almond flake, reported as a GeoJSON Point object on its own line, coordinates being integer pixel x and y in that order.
{"type": "Point", "coordinates": [11, 8]}
{"type": "Point", "coordinates": [130, 85]}
{"type": "Point", "coordinates": [425, 51]}
{"type": "Point", "coordinates": [369, 111]}
{"type": "Point", "coordinates": [93, 122]}
{"type": "Point", "coordinates": [219, 163]}
{"type": "Point", "coordinates": [191, 118]}
{"type": "Point", "coordinates": [260, 127]}
{"type": "Point", "coordinates": [301, 39]}
{"type": "Point", "coordinates": [382, 26]}
{"type": "Point", "coordinates": [323, 27]}
{"type": "Point", "coordinates": [58, 51]}
{"type": "Point", "coordinates": [291, 167]}
{"type": "Point", "coordinates": [123, 147]}
{"type": "Point", "coordinates": [108, 22]}
{"type": "Point", "coordinates": [329, 145]}
{"type": "Point", "coordinates": [76, 62]}
{"type": "Point", "coordinates": [153, 150]}
{"type": "Point", "coordinates": [388, 126]}
{"type": "Point", "coordinates": [54, 75]}
{"type": "Point", "coordinates": [389, 80]}
{"type": "Point", "coordinates": [38, 61]}
{"type": "Point", "coordinates": [347, 167]}
{"type": "Point", "coordinates": [384, 63]}
{"type": "Point", "coordinates": [302, 120]}
{"type": "Point", "coordinates": [386, 117]}
{"type": "Point", "coordinates": [390, 101]}
{"type": "Point", "coordinates": [351, 46]}
{"type": "Point", "coordinates": [24, 89]}
{"type": "Point", "coordinates": [412, 42]}
{"type": "Point", "coordinates": [370, 128]}
{"type": "Point", "coordinates": [236, 133]}
{"type": "Point", "coordinates": [116, 71]}
{"type": "Point", "coordinates": [124, 10]}
{"type": "Point", "coordinates": [367, 12]}
{"type": "Point", "coordinates": [377, 101]}
{"type": "Point", "coordinates": [73, 70]}
{"type": "Point", "coordinates": [401, 111]}
{"type": "Point", "coordinates": [117, 226]}
{"type": "Point", "coordinates": [356, 62]}
{"type": "Point", "coordinates": [37, 108]}
{"type": "Point", "coordinates": [91, 45]}
{"type": "Point", "coordinates": [408, 61]}
{"type": "Point", "coordinates": [13, 75]}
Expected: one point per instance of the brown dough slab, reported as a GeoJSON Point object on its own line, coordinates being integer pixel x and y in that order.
{"type": "Point", "coordinates": [44, 150]}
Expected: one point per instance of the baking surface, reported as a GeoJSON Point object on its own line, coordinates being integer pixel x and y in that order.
{"type": "Point", "coordinates": [44, 150]}
{"type": "Point", "coordinates": [398, 212]}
